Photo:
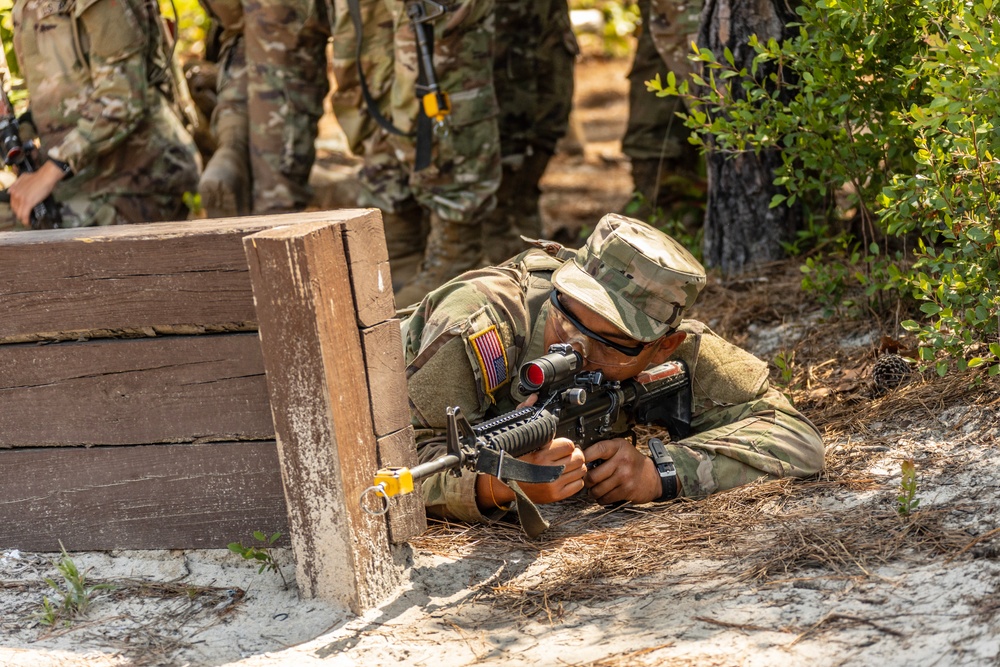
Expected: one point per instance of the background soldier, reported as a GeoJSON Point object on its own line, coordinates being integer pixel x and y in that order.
{"type": "Point", "coordinates": [272, 82]}
{"type": "Point", "coordinates": [454, 193]}
{"type": "Point", "coordinates": [665, 167]}
{"type": "Point", "coordinates": [533, 74]}
{"type": "Point", "coordinates": [101, 89]}
{"type": "Point", "coordinates": [621, 301]}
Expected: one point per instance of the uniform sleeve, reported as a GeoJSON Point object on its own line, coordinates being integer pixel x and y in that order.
{"type": "Point", "coordinates": [441, 374]}
{"type": "Point", "coordinates": [736, 444]}
{"type": "Point", "coordinates": [117, 101]}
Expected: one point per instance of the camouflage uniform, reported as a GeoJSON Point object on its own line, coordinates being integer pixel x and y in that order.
{"type": "Point", "coordinates": [92, 68]}
{"type": "Point", "coordinates": [742, 428]}
{"type": "Point", "coordinates": [665, 166]}
{"type": "Point", "coordinates": [457, 189]}
{"type": "Point", "coordinates": [273, 81]}
{"type": "Point", "coordinates": [533, 76]}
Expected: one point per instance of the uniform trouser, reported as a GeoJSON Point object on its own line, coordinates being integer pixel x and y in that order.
{"type": "Point", "coordinates": [653, 130]}
{"type": "Point", "coordinates": [464, 174]}
{"type": "Point", "coordinates": [274, 72]}
{"type": "Point", "coordinates": [533, 73]}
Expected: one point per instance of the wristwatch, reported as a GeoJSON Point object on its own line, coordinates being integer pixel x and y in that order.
{"type": "Point", "coordinates": [665, 468]}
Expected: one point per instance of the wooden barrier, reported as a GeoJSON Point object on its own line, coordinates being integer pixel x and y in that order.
{"type": "Point", "coordinates": [152, 363]}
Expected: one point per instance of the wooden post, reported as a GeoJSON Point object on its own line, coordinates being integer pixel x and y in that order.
{"type": "Point", "coordinates": [320, 409]}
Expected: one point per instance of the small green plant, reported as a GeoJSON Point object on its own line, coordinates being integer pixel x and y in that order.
{"type": "Point", "coordinates": [74, 593]}
{"type": "Point", "coordinates": [193, 202]}
{"type": "Point", "coordinates": [907, 501]}
{"type": "Point", "coordinates": [785, 361]}
{"type": "Point", "coordinates": [261, 554]}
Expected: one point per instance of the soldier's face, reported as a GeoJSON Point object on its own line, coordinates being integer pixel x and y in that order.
{"type": "Point", "coordinates": [597, 356]}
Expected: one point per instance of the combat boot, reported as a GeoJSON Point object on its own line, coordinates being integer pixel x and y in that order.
{"type": "Point", "coordinates": [452, 248]}
{"type": "Point", "coordinates": [225, 184]}
{"type": "Point", "coordinates": [405, 239]}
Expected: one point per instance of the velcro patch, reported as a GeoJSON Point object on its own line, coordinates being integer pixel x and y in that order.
{"type": "Point", "coordinates": [492, 359]}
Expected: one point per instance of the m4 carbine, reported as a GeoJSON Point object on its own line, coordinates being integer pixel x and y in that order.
{"type": "Point", "coordinates": [21, 157]}
{"type": "Point", "coordinates": [582, 406]}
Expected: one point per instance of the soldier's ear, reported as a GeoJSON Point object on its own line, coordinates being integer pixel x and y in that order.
{"type": "Point", "coordinates": [668, 345]}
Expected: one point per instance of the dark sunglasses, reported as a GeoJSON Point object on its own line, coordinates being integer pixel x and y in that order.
{"type": "Point", "coordinates": [618, 347]}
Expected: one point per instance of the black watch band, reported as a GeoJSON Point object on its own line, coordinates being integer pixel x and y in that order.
{"type": "Point", "coordinates": [66, 169]}
{"type": "Point", "coordinates": [665, 468]}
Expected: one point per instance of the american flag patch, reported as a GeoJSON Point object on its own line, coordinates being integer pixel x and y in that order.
{"type": "Point", "coordinates": [492, 358]}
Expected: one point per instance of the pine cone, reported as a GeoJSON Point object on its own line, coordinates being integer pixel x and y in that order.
{"type": "Point", "coordinates": [890, 371]}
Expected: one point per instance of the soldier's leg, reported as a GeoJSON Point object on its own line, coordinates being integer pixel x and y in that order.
{"type": "Point", "coordinates": [384, 183]}
{"type": "Point", "coordinates": [664, 164]}
{"type": "Point", "coordinates": [225, 185]}
{"type": "Point", "coordinates": [766, 438]}
{"type": "Point", "coordinates": [349, 105]}
{"type": "Point", "coordinates": [458, 188]}
{"type": "Point", "coordinates": [287, 81]}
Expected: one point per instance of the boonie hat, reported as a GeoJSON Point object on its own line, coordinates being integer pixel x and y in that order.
{"type": "Point", "coordinates": [634, 276]}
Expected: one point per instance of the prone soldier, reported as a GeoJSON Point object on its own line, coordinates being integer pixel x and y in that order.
{"type": "Point", "coordinates": [619, 302]}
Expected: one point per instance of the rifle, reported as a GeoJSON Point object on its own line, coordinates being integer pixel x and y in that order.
{"type": "Point", "coordinates": [21, 157]}
{"type": "Point", "coordinates": [583, 407]}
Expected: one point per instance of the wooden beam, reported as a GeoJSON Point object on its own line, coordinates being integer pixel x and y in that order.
{"type": "Point", "coordinates": [134, 391]}
{"type": "Point", "coordinates": [147, 497]}
{"type": "Point", "coordinates": [319, 403]}
{"type": "Point", "coordinates": [122, 277]}
{"type": "Point", "coordinates": [386, 370]}
{"type": "Point", "coordinates": [406, 517]}
{"type": "Point", "coordinates": [368, 257]}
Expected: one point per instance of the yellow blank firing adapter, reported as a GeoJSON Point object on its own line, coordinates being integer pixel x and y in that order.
{"type": "Point", "coordinates": [437, 105]}
{"type": "Point", "coordinates": [394, 481]}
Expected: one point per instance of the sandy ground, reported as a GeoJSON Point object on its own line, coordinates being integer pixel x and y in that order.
{"type": "Point", "coordinates": [820, 572]}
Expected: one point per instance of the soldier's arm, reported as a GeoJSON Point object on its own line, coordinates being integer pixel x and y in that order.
{"type": "Point", "coordinates": [116, 103]}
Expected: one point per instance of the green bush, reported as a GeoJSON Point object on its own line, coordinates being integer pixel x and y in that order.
{"type": "Point", "coordinates": [887, 107]}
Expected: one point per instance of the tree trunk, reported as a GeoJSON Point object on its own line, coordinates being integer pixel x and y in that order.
{"type": "Point", "coordinates": [741, 230]}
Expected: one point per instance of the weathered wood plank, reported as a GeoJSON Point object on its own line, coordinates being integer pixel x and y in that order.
{"type": "Point", "coordinates": [147, 497]}
{"type": "Point", "coordinates": [368, 257]}
{"type": "Point", "coordinates": [407, 517]}
{"type": "Point", "coordinates": [161, 274]}
{"type": "Point", "coordinates": [134, 391]}
{"type": "Point", "coordinates": [319, 404]}
{"type": "Point", "coordinates": [386, 369]}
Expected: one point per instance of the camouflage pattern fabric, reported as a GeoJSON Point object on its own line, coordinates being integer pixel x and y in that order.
{"type": "Point", "coordinates": [274, 72]}
{"type": "Point", "coordinates": [533, 73]}
{"type": "Point", "coordinates": [743, 429]}
{"type": "Point", "coordinates": [465, 170]}
{"type": "Point", "coordinates": [653, 130]}
{"type": "Point", "coordinates": [88, 69]}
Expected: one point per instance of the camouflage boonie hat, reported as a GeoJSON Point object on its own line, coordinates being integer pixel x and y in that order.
{"type": "Point", "coordinates": [634, 276]}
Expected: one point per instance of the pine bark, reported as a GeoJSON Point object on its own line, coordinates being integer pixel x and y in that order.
{"type": "Point", "coordinates": [741, 230]}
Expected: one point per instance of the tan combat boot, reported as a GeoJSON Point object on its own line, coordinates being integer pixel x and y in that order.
{"type": "Point", "coordinates": [452, 248]}
{"type": "Point", "coordinates": [405, 239]}
{"type": "Point", "coordinates": [225, 183]}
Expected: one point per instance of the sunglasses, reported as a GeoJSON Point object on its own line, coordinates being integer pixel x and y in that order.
{"type": "Point", "coordinates": [618, 347]}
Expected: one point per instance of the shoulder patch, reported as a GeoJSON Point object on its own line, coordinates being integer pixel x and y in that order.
{"type": "Point", "coordinates": [492, 358]}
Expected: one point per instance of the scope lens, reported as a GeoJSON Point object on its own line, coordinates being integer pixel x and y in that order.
{"type": "Point", "coordinates": [533, 376]}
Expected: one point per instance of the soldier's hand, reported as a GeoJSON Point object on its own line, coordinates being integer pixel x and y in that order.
{"type": "Point", "coordinates": [30, 189]}
{"type": "Point", "coordinates": [624, 474]}
{"type": "Point", "coordinates": [559, 452]}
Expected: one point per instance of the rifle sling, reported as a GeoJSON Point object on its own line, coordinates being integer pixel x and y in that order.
{"type": "Point", "coordinates": [425, 128]}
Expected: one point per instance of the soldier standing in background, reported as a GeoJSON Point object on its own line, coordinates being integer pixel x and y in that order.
{"type": "Point", "coordinates": [101, 98]}
{"type": "Point", "coordinates": [272, 82]}
{"type": "Point", "coordinates": [451, 197]}
{"type": "Point", "coordinates": [533, 74]}
{"type": "Point", "coordinates": [665, 167]}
